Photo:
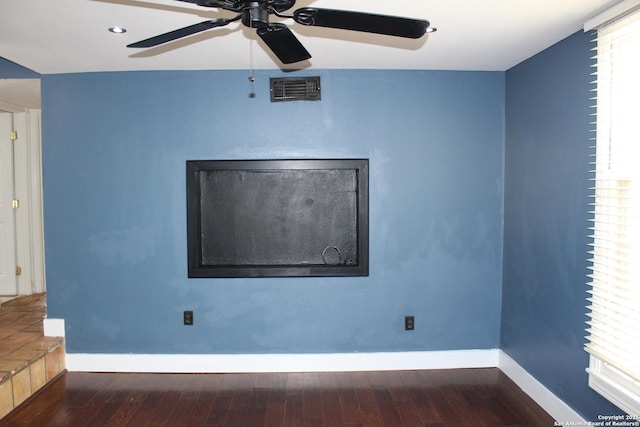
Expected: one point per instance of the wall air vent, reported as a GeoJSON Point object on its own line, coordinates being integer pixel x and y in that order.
{"type": "Point", "coordinates": [295, 89]}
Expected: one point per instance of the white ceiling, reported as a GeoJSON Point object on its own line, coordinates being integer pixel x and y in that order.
{"type": "Point", "coordinates": [68, 36]}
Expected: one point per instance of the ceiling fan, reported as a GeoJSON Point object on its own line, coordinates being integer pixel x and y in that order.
{"type": "Point", "coordinates": [279, 38]}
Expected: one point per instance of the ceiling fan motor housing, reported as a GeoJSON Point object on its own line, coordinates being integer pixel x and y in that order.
{"type": "Point", "coordinates": [255, 14]}
{"type": "Point", "coordinates": [239, 5]}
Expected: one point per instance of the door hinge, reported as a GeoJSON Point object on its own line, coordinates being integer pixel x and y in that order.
{"type": "Point", "coordinates": [14, 135]}
{"type": "Point", "coordinates": [18, 271]}
{"type": "Point", "coordinates": [15, 203]}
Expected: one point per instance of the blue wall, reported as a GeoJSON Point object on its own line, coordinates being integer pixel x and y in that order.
{"type": "Point", "coordinates": [546, 219]}
{"type": "Point", "coordinates": [114, 152]}
{"type": "Point", "coordinates": [11, 70]}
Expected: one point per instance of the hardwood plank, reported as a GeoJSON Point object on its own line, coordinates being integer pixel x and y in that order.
{"type": "Point", "coordinates": [312, 403]}
{"type": "Point", "coordinates": [146, 409]}
{"type": "Point", "coordinates": [164, 405]}
{"type": "Point", "coordinates": [331, 411]}
{"type": "Point", "coordinates": [204, 403]}
{"type": "Point", "coordinates": [364, 392]}
{"type": "Point", "coordinates": [274, 414]}
{"type": "Point", "coordinates": [371, 416]}
{"type": "Point", "coordinates": [350, 409]}
{"type": "Point", "coordinates": [294, 410]}
{"type": "Point", "coordinates": [238, 408]}
{"type": "Point", "coordinates": [390, 414]}
{"type": "Point", "coordinates": [257, 407]}
{"type": "Point", "coordinates": [408, 413]}
{"type": "Point", "coordinates": [218, 414]}
{"type": "Point", "coordinates": [426, 406]}
{"type": "Point", "coordinates": [181, 412]}
{"type": "Point", "coordinates": [480, 402]}
{"type": "Point", "coordinates": [295, 384]}
{"type": "Point", "coordinates": [313, 422]}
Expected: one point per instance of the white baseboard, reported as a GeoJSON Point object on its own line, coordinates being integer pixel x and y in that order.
{"type": "Point", "coordinates": [53, 327]}
{"type": "Point", "coordinates": [233, 363]}
{"type": "Point", "coordinates": [330, 362]}
{"type": "Point", "coordinates": [560, 411]}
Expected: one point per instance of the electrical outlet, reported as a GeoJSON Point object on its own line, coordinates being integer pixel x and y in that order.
{"type": "Point", "coordinates": [409, 323]}
{"type": "Point", "coordinates": [188, 317]}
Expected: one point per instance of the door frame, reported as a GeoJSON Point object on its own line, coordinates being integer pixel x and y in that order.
{"type": "Point", "coordinates": [8, 221]}
{"type": "Point", "coordinates": [28, 186]}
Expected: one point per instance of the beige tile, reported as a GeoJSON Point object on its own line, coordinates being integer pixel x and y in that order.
{"type": "Point", "coordinates": [62, 357]}
{"type": "Point", "coordinates": [22, 338]}
{"type": "Point", "coordinates": [26, 355]}
{"type": "Point", "coordinates": [6, 348]}
{"type": "Point", "coordinates": [12, 366]}
{"type": "Point", "coordinates": [38, 375]}
{"type": "Point", "coordinates": [43, 344]}
{"type": "Point", "coordinates": [27, 359]}
{"type": "Point", "coordinates": [21, 386]}
{"type": "Point", "coordinates": [53, 363]}
{"type": "Point", "coordinates": [6, 398]}
{"type": "Point", "coordinates": [5, 377]}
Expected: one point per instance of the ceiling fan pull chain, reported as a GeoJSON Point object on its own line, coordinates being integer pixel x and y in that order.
{"type": "Point", "coordinates": [251, 77]}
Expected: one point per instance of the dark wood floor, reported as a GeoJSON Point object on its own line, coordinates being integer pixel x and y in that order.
{"type": "Point", "coordinates": [461, 397]}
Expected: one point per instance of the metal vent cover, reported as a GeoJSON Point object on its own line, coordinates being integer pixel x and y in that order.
{"type": "Point", "coordinates": [295, 89]}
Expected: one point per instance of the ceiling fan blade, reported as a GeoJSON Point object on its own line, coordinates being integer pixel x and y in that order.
{"type": "Point", "coordinates": [181, 32]}
{"type": "Point", "coordinates": [283, 43]}
{"type": "Point", "coordinates": [358, 21]}
{"type": "Point", "coordinates": [224, 4]}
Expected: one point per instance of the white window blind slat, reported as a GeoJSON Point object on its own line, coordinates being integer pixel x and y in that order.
{"type": "Point", "coordinates": [620, 256]}
{"type": "Point", "coordinates": [614, 298]}
{"type": "Point", "coordinates": [619, 332]}
{"type": "Point", "coordinates": [606, 299]}
{"type": "Point", "coordinates": [615, 339]}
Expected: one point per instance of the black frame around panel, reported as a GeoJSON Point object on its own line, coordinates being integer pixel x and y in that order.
{"type": "Point", "coordinates": [216, 262]}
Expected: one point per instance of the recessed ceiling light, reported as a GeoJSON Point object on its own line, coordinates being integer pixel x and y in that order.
{"type": "Point", "coordinates": [117, 30]}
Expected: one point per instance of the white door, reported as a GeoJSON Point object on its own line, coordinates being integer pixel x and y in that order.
{"type": "Point", "coordinates": [8, 282]}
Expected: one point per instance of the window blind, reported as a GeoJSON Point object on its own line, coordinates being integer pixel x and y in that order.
{"type": "Point", "coordinates": [614, 295]}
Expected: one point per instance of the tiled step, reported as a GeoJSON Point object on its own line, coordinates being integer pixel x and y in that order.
{"type": "Point", "coordinates": [28, 359]}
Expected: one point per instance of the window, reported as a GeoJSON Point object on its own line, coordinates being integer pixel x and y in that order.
{"type": "Point", "coordinates": [614, 300]}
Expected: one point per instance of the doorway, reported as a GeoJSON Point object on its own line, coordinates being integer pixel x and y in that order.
{"type": "Point", "coordinates": [21, 217]}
